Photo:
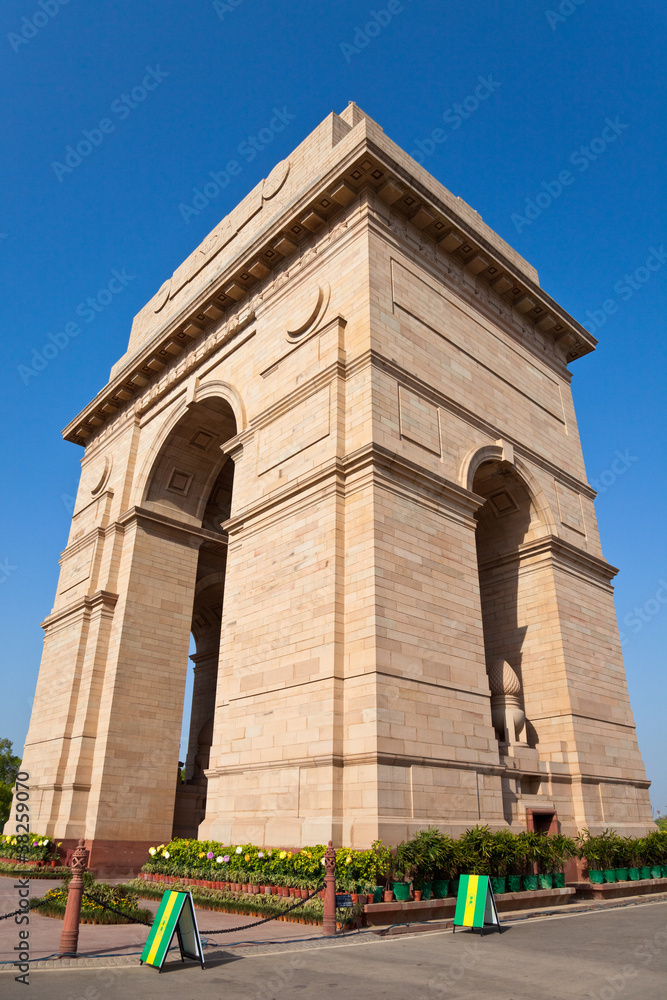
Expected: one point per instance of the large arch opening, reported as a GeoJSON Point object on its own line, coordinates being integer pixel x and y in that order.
{"type": "Point", "coordinates": [508, 520]}
{"type": "Point", "coordinates": [192, 482]}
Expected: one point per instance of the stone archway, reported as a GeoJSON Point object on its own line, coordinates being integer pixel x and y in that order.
{"type": "Point", "coordinates": [512, 619]}
{"type": "Point", "coordinates": [192, 481]}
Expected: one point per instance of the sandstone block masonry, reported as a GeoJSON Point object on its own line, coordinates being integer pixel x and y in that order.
{"type": "Point", "coordinates": [341, 452]}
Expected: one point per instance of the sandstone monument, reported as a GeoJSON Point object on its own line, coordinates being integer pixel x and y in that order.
{"type": "Point", "coordinates": [341, 452]}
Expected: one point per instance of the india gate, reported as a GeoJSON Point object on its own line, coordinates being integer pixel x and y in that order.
{"type": "Point", "coordinates": [341, 453]}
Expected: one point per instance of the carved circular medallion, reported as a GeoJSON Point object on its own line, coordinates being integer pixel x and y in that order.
{"type": "Point", "coordinates": [161, 296]}
{"type": "Point", "coordinates": [316, 301]}
{"type": "Point", "coordinates": [276, 179]}
{"type": "Point", "coordinates": [104, 478]}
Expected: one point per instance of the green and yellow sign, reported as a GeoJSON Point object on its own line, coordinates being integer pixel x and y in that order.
{"type": "Point", "coordinates": [475, 903]}
{"type": "Point", "coordinates": [176, 915]}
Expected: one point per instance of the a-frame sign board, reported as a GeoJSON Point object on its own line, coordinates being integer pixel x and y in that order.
{"type": "Point", "coordinates": [476, 904]}
{"type": "Point", "coordinates": [176, 915]}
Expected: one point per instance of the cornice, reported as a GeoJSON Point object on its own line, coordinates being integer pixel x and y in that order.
{"type": "Point", "coordinates": [101, 600]}
{"type": "Point", "coordinates": [562, 553]}
{"type": "Point", "coordinates": [154, 519]}
{"type": "Point", "coordinates": [386, 468]}
{"type": "Point", "coordinates": [365, 165]}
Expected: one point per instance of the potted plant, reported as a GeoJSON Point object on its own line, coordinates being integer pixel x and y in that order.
{"type": "Point", "coordinates": [428, 850]}
{"type": "Point", "coordinates": [380, 862]}
{"type": "Point", "coordinates": [502, 855]}
{"type": "Point", "coordinates": [562, 848]}
{"type": "Point", "coordinates": [402, 870]}
{"type": "Point", "coordinates": [623, 853]}
{"type": "Point", "coordinates": [589, 848]}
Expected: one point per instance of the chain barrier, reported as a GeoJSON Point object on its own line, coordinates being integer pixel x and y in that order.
{"type": "Point", "coordinates": [265, 920]}
{"type": "Point", "coordinates": [217, 930]}
{"type": "Point", "coordinates": [15, 913]}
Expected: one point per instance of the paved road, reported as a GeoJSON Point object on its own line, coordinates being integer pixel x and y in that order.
{"type": "Point", "coordinates": [620, 953]}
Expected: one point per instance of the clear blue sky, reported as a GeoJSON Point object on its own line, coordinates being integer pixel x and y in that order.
{"type": "Point", "coordinates": [217, 72]}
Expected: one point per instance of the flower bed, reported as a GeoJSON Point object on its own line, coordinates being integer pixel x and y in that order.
{"type": "Point", "coordinates": [33, 847]}
{"type": "Point", "coordinates": [32, 869]}
{"type": "Point", "coordinates": [226, 901]}
{"type": "Point", "coordinates": [429, 863]}
{"type": "Point", "coordinates": [122, 898]}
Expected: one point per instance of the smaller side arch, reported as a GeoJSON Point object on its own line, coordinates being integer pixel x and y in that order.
{"type": "Point", "coordinates": [504, 452]}
{"type": "Point", "coordinates": [216, 387]}
{"type": "Point", "coordinates": [192, 393]}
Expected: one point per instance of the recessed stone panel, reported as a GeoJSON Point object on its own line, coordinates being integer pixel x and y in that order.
{"type": "Point", "coordinates": [419, 421]}
{"type": "Point", "coordinates": [569, 507]}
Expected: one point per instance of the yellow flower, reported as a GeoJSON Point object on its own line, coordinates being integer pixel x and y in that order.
{"type": "Point", "coordinates": [283, 854]}
{"type": "Point", "coordinates": [348, 860]}
{"type": "Point", "coordinates": [247, 857]}
{"type": "Point", "coordinates": [201, 854]}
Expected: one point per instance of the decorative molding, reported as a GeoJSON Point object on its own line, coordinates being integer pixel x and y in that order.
{"type": "Point", "coordinates": [352, 168]}
{"type": "Point", "coordinates": [152, 520]}
{"type": "Point", "coordinates": [102, 601]}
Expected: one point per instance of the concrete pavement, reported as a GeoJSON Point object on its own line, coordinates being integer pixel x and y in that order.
{"type": "Point", "coordinates": [602, 955]}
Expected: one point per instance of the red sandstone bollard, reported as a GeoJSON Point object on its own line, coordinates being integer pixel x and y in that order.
{"type": "Point", "coordinates": [69, 938]}
{"type": "Point", "coordinates": [329, 921]}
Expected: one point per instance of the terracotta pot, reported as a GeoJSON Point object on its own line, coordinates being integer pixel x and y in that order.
{"type": "Point", "coordinates": [322, 893]}
{"type": "Point", "coordinates": [354, 896]}
{"type": "Point", "coordinates": [304, 893]}
{"type": "Point", "coordinates": [418, 895]}
{"type": "Point", "coordinates": [363, 898]}
{"type": "Point", "coordinates": [388, 896]}
{"type": "Point", "coordinates": [53, 864]}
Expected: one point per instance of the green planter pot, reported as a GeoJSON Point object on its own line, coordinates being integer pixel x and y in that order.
{"type": "Point", "coordinates": [427, 890]}
{"type": "Point", "coordinates": [545, 881]}
{"type": "Point", "coordinates": [498, 884]}
{"type": "Point", "coordinates": [378, 892]}
{"type": "Point", "coordinates": [621, 874]}
{"type": "Point", "coordinates": [558, 879]}
{"type": "Point", "coordinates": [664, 871]}
{"type": "Point", "coordinates": [645, 871]}
{"type": "Point", "coordinates": [440, 888]}
{"type": "Point", "coordinates": [656, 871]}
{"type": "Point", "coordinates": [610, 874]}
{"type": "Point", "coordinates": [596, 876]}
{"type": "Point", "coordinates": [634, 874]}
{"type": "Point", "coordinates": [514, 883]}
{"type": "Point", "coordinates": [529, 883]}
{"type": "Point", "coordinates": [402, 891]}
